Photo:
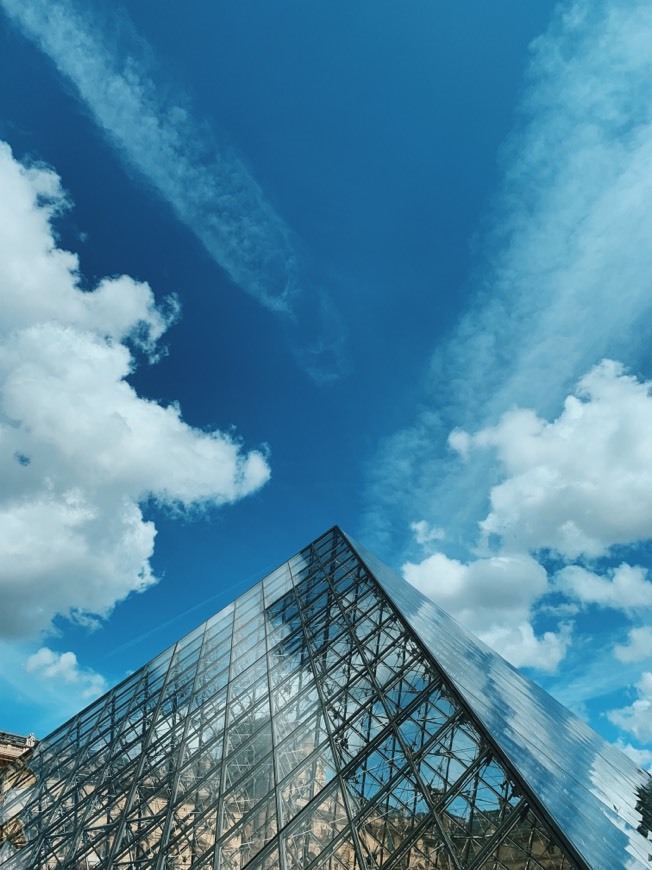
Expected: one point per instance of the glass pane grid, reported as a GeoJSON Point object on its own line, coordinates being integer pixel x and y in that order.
{"type": "Point", "coordinates": [305, 780]}
{"type": "Point", "coordinates": [317, 825]}
{"type": "Point", "coordinates": [302, 727]}
{"type": "Point", "coordinates": [528, 844]}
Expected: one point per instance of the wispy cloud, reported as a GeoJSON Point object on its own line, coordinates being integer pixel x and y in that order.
{"type": "Point", "coordinates": [80, 449]}
{"type": "Point", "coordinates": [209, 187]}
{"type": "Point", "coordinates": [565, 275]}
{"type": "Point", "coordinates": [562, 281]}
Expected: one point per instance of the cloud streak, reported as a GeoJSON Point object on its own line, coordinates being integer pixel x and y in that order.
{"type": "Point", "coordinates": [565, 275]}
{"type": "Point", "coordinates": [80, 450]}
{"type": "Point", "coordinates": [208, 187]}
{"type": "Point", "coordinates": [562, 281]}
{"type": "Point", "coordinates": [210, 190]}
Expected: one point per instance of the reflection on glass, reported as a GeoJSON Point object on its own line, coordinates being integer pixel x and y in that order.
{"type": "Point", "coordinates": [305, 726]}
{"type": "Point", "coordinates": [644, 807]}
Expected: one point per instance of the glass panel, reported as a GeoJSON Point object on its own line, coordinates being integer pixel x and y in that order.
{"type": "Point", "coordinates": [301, 742]}
{"type": "Point", "coordinates": [428, 852]}
{"type": "Point", "coordinates": [269, 861]}
{"type": "Point", "coordinates": [368, 778]}
{"type": "Point", "coordinates": [343, 857]}
{"type": "Point", "coordinates": [249, 741]}
{"type": "Point", "coordinates": [319, 823]}
{"type": "Point", "coordinates": [247, 834]}
{"type": "Point", "coordinates": [389, 823]}
{"type": "Point", "coordinates": [274, 704]}
{"type": "Point", "coordinates": [305, 782]}
{"type": "Point", "coordinates": [276, 584]}
{"type": "Point", "coordinates": [528, 846]}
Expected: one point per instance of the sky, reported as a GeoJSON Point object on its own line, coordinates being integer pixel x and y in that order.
{"type": "Point", "coordinates": [266, 268]}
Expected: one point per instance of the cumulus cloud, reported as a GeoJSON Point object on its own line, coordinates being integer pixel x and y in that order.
{"type": "Point", "coordinates": [209, 188]}
{"type": "Point", "coordinates": [80, 449]}
{"type": "Point", "coordinates": [580, 484]}
{"type": "Point", "coordinates": [494, 598]}
{"type": "Point", "coordinates": [498, 583]}
{"type": "Point", "coordinates": [521, 646]}
{"type": "Point", "coordinates": [642, 757]}
{"type": "Point", "coordinates": [563, 277]}
{"type": "Point", "coordinates": [637, 717]}
{"type": "Point", "coordinates": [45, 664]}
{"type": "Point", "coordinates": [638, 646]}
{"type": "Point", "coordinates": [623, 588]}
{"type": "Point", "coordinates": [562, 281]}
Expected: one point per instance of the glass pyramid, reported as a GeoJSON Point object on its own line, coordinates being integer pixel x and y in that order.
{"type": "Point", "coordinates": [330, 717]}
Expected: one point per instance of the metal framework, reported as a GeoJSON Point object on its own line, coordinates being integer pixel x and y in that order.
{"type": "Point", "coordinates": [304, 726]}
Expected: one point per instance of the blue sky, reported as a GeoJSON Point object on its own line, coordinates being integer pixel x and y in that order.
{"type": "Point", "coordinates": [270, 267]}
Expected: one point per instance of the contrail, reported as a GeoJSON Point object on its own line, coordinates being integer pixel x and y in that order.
{"type": "Point", "coordinates": [209, 189]}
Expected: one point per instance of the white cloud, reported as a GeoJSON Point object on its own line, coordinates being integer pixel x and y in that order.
{"type": "Point", "coordinates": [67, 389]}
{"type": "Point", "coordinates": [578, 485]}
{"type": "Point", "coordinates": [208, 187]}
{"type": "Point", "coordinates": [563, 279]}
{"type": "Point", "coordinates": [524, 649]}
{"type": "Point", "coordinates": [80, 449]}
{"type": "Point", "coordinates": [642, 757]}
{"type": "Point", "coordinates": [582, 483]}
{"type": "Point", "coordinates": [494, 597]}
{"type": "Point", "coordinates": [45, 275]}
{"type": "Point", "coordinates": [566, 273]}
{"type": "Point", "coordinates": [638, 646]}
{"type": "Point", "coordinates": [425, 534]}
{"type": "Point", "coordinates": [210, 190]}
{"type": "Point", "coordinates": [45, 664]}
{"type": "Point", "coordinates": [498, 583]}
{"type": "Point", "coordinates": [637, 717]}
{"type": "Point", "coordinates": [624, 588]}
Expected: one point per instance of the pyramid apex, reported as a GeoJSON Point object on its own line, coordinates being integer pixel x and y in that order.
{"type": "Point", "coordinates": [330, 717]}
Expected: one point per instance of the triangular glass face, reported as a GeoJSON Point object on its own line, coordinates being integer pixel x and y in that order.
{"type": "Point", "coordinates": [305, 726]}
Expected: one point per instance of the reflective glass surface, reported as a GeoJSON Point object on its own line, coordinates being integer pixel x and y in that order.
{"type": "Point", "coordinates": [592, 792]}
{"type": "Point", "coordinates": [316, 723]}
